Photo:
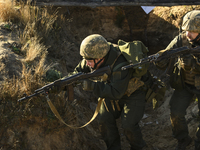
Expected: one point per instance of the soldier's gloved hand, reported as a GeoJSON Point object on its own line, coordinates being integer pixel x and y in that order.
{"type": "Point", "coordinates": [88, 85]}
{"type": "Point", "coordinates": [187, 60]}
{"type": "Point", "coordinates": [162, 63]}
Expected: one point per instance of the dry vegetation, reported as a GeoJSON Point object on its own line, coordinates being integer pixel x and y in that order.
{"type": "Point", "coordinates": [34, 25]}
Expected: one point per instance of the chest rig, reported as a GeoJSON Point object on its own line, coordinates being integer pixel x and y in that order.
{"type": "Point", "coordinates": [190, 74]}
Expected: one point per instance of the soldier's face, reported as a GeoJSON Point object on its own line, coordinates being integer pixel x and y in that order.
{"type": "Point", "coordinates": [91, 63]}
{"type": "Point", "coordinates": [191, 35]}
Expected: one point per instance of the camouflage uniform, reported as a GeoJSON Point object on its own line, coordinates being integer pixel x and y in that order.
{"type": "Point", "coordinates": [117, 103]}
{"type": "Point", "coordinates": [185, 91]}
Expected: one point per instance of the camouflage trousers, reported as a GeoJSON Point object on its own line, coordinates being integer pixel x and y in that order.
{"type": "Point", "coordinates": [179, 102]}
{"type": "Point", "coordinates": [131, 110]}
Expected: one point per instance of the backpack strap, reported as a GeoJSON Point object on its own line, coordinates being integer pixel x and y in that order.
{"type": "Point", "coordinates": [119, 66]}
{"type": "Point", "coordinates": [111, 66]}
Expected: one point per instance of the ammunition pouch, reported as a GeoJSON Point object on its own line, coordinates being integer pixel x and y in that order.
{"type": "Point", "coordinates": [155, 92]}
{"type": "Point", "coordinates": [133, 85]}
{"type": "Point", "coordinates": [176, 77]}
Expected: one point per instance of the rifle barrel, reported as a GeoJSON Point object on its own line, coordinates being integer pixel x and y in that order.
{"type": "Point", "coordinates": [27, 97]}
{"type": "Point", "coordinates": [69, 80]}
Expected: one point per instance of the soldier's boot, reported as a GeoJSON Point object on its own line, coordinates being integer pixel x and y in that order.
{"type": "Point", "coordinates": [182, 144]}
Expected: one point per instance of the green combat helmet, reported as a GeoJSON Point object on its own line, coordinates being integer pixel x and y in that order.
{"type": "Point", "coordinates": [94, 46]}
{"type": "Point", "coordinates": [191, 21]}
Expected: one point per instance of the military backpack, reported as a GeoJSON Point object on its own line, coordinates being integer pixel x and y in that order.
{"type": "Point", "coordinates": [133, 52]}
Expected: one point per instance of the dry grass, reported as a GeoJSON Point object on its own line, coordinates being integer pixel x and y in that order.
{"type": "Point", "coordinates": [38, 24]}
{"type": "Point", "coordinates": [35, 21]}
{"type": "Point", "coordinates": [28, 13]}
{"type": "Point", "coordinates": [8, 12]}
{"type": "Point", "coordinates": [34, 50]}
{"type": "Point", "coordinates": [31, 79]}
{"type": "Point", "coordinates": [34, 25]}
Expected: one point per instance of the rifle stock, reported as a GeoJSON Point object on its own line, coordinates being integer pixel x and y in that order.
{"type": "Point", "coordinates": [69, 80]}
{"type": "Point", "coordinates": [172, 53]}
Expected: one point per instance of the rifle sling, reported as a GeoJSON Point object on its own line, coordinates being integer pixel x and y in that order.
{"type": "Point", "coordinates": [53, 109]}
{"type": "Point", "coordinates": [70, 92]}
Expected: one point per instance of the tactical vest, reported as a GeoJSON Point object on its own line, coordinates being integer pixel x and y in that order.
{"type": "Point", "coordinates": [190, 74]}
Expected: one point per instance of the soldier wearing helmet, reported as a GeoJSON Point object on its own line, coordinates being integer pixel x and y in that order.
{"type": "Point", "coordinates": [93, 49]}
{"type": "Point", "coordinates": [184, 79]}
{"type": "Point", "coordinates": [98, 53]}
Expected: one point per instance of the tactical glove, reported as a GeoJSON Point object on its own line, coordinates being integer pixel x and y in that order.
{"type": "Point", "coordinates": [187, 60]}
{"type": "Point", "coordinates": [88, 85]}
{"type": "Point", "coordinates": [162, 64]}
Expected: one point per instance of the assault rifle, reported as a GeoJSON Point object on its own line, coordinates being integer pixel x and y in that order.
{"type": "Point", "coordinates": [68, 81]}
{"type": "Point", "coordinates": [172, 53]}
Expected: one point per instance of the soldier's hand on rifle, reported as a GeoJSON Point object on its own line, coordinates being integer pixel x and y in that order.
{"type": "Point", "coordinates": [187, 60]}
{"type": "Point", "coordinates": [88, 85]}
{"type": "Point", "coordinates": [162, 63]}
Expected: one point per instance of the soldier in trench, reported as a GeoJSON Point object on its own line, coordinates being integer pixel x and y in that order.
{"type": "Point", "coordinates": [120, 101]}
{"type": "Point", "coordinates": [185, 79]}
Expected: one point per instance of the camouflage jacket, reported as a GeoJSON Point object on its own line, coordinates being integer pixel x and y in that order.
{"type": "Point", "coordinates": [189, 72]}
{"type": "Point", "coordinates": [115, 86]}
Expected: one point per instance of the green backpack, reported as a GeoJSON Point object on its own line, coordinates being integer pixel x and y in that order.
{"type": "Point", "coordinates": [133, 52]}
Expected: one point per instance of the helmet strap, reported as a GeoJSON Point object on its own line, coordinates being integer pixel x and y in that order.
{"type": "Point", "coordinates": [196, 40]}
{"type": "Point", "coordinates": [95, 64]}
{"type": "Point", "coordinates": [180, 29]}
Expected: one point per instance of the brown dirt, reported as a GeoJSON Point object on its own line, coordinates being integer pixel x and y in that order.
{"type": "Point", "coordinates": [155, 30]}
